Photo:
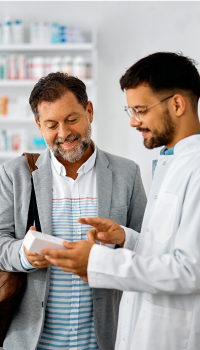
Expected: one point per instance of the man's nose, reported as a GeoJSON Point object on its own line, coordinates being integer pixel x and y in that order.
{"type": "Point", "coordinates": [63, 131]}
{"type": "Point", "coordinates": [134, 123]}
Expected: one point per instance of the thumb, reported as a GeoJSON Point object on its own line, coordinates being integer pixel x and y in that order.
{"type": "Point", "coordinates": [90, 235]}
{"type": "Point", "coordinates": [32, 228]}
{"type": "Point", "coordinates": [102, 235]}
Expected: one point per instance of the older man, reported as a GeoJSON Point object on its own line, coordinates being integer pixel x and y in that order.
{"type": "Point", "coordinates": [74, 179]}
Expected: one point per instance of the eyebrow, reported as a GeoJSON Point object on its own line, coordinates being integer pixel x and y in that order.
{"type": "Point", "coordinates": [54, 121]}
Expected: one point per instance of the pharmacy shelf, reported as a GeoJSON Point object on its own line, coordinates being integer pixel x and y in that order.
{"type": "Point", "coordinates": [51, 47]}
{"type": "Point", "coordinates": [13, 120]}
{"type": "Point", "coordinates": [31, 83]}
{"type": "Point", "coordinates": [14, 154]}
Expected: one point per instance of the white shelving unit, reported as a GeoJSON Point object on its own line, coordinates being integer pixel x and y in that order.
{"type": "Point", "coordinates": [31, 83]}
{"type": "Point", "coordinates": [13, 120]}
{"type": "Point", "coordinates": [51, 47]}
{"type": "Point", "coordinates": [23, 87]}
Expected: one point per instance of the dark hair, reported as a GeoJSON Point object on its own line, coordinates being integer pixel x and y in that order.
{"type": "Point", "coordinates": [53, 87]}
{"type": "Point", "coordinates": [165, 72]}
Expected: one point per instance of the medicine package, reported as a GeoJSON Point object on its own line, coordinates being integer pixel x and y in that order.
{"type": "Point", "coordinates": [35, 241]}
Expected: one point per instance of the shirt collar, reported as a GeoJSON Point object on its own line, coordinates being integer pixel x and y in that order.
{"type": "Point", "coordinates": [167, 152]}
{"type": "Point", "coordinates": [84, 168]}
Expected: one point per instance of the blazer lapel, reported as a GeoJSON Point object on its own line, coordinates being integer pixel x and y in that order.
{"type": "Point", "coordinates": [104, 184]}
{"type": "Point", "coordinates": [42, 179]}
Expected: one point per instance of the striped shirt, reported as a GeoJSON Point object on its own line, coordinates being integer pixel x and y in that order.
{"type": "Point", "coordinates": [69, 319]}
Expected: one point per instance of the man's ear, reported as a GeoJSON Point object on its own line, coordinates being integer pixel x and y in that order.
{"type": "Point", "coordinates": [179, 104]}
{"type": "Point", "coordinates": [39, 127]}
{"type": "Point", "coordinates": [89, 110]}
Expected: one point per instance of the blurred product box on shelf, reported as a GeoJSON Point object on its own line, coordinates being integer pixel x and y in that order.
{"type": "Point", "coordinates": [37, 67]}
{"type": "Point", "coordinates": [4, 105]}
{"type": "Point", "coordinates": [12, 67]}
{"type": "Point", "coordinates": [39, 143]}
{"type": "Point", "coordinates": [1, 30]}
{"type": "Point", "coordinates": [17, 32]}
{"type": "Point", "coordinates": [54, 33]}
{"type": "Point", "coordinates": [14, 108]}
{"type": "Point", "coordinates": [11, 32]}
{"type": "Point", "coordinates": [7, 31]}
{"type": "Point", "coordinates": [40, 32]}
{"type": "Point", "coordinates": [66, 65]}
{"type": "Point", "coordinates": [3, 67]}
{"type": "Point", "coordinates": [18, 140]}
{"type": "Point", "coordinates": [79, 67]}
{"type": "Point", "coordinates": [20, 67]}
{"type": "Point", "coordinates": [13, 140]}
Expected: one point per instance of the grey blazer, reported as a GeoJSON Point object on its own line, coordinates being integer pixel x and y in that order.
{"type": "Point", "coordinates": [121, 197]}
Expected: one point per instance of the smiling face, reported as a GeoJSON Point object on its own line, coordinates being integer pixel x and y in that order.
{"type": "Point", "coordinates": [157, 125]}
{"type": "Point", "coordinates": [66, 126]}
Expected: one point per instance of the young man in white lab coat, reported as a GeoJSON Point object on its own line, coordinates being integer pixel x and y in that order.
{"type": "Point", "coordinates": [158, 270]}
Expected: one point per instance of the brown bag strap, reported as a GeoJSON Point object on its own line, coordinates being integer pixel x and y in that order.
{"type": "Point", "coordinates": [33, 216]}
{"type": "Point", "coordinates": [31, 160]}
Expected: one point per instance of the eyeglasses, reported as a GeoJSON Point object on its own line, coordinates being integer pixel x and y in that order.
{"type": "Point", "coordinates": [137, 114]}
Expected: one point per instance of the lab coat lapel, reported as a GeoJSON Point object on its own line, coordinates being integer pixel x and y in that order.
{"type": "Point", "coordinates": [42, 179]}
{"type": "Point", "coordinates": [104, 184]}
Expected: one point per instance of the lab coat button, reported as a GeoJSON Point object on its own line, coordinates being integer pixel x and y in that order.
{"type": "Point", "coordinates": [148, 230]}
{"type": "Point", "coordinates": [155, 197]}
{"type": "Point", "coordinates": [164, 163]}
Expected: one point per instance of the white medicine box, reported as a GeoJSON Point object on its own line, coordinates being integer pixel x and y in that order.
{"type": "Point", "coordinates": [35, 241]}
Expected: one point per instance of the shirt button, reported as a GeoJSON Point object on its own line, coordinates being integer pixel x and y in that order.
{"type": "Point", "coordinates": [74, 184]}
{"type": "Point", "coordinates": [155, 197]}
{"type": "Point", "coordinates": [75, 281]}
{"type": "Point", "coordinates": [73, 329]}
{"type": "Point", "coordinates": [76, 232]}
{"type": "Point", "coordinates": [75, 208]}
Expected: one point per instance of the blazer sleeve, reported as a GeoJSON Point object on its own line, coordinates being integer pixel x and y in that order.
{"type": "Point", "coordinates": [137, 203]}
{"type": "Point", "coordinates": [9, 245]}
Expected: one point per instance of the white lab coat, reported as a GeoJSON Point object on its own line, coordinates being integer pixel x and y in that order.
{"type": "Point", "coordinates": [160, 272]}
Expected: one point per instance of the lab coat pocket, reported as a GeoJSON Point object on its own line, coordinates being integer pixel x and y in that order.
{"type": "Point", "coordinates": [160, 327]}
{"type": "Point", "coordinates": [165, 215]}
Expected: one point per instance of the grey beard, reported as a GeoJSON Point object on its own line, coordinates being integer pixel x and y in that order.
{"type": "Point", "coordinates": [76, 152]}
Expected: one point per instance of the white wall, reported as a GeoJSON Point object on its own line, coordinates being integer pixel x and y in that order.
{"type": "Point", "coordinates": [127, 31]}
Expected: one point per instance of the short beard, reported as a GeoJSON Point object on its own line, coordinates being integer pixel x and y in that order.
{"type": "Point", "coordinates": [76, 152]}
{"type": "Point", "coordinates": [161, 138]}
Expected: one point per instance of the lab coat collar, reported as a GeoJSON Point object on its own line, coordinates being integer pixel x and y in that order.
{"type": "Point", "coordinates": [187, 145]}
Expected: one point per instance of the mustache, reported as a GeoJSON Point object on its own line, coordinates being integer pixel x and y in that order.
{"type": "Point", "coordinates": [67, 139]}
{"type": "Point", "coordinates": [142, 129]}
